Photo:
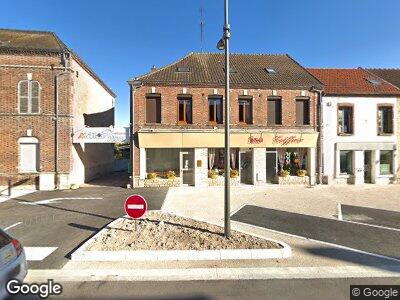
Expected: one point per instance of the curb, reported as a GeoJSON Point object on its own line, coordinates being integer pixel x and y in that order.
{"type": "Point", "coordinates": [82, 254]}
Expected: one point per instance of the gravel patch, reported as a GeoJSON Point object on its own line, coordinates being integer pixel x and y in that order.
{"type": "Point", "coordinates": [164, 231]}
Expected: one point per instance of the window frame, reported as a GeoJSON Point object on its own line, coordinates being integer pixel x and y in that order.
{"type": "Point", "coordinates": [345, 105]}
{"type": "Point", "coordinates": [29, 141]}
{"type": "Point", "coordinates": [352, 163]}
{"type": "Point", "coordinates": [380, 106]}
{"type": "Point", "coordinates": [185, 98]}
{"type": "Point", "coordinates": [277, 99]}
{"type": "Point", "coordinates": [214, 98]}
{"type": "Point", "coordinates": [29, 109]}
{"type": "Point", "coordinates": [157, 97]}
{"type": "Point", "coordinates": [391, 163]}
{"type": "Point", "coordinates": [306, 103]}
{"type": "Point", "coordinates": [250, 100]}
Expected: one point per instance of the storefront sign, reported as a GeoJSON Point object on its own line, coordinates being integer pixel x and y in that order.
{"type": "Point", "coordinates": [284, 140]}
{"type": "Point", "coordinates": [101, 135]}
{"type": "Point", "coordinates": [255, 140]}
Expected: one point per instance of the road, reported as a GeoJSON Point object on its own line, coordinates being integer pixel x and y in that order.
{"type": "Point", "coordinates": [370, 239]}
{"type": "Point", "coordinates": [371, 216]}
{"type": "Point", "coordinates": [326, 289]}
{"type": "Point", "coordinates": [60, 221]}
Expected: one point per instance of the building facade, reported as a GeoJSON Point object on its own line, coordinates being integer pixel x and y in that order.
{"type": "Point", "coordinates": [359, 128]}
{"type": "Point", "coordinates": [47, 93]}
{"type": "Point", "coordinates": [177, 116]}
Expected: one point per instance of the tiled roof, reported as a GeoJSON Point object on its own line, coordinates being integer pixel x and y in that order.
{"type": "Point", "coordinates": [13, 40]}
{"type": "Point", "coordinates": [246, 70]}
{"type": "Point", "coordinates": [390, 75]}
{"type": "Point", "coordinates": [353, 82]}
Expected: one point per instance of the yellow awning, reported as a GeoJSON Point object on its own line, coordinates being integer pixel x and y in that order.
{"type": "Point", "coordinates": [216, 140]}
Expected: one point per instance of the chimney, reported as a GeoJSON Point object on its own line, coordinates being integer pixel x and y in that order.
{"type": "Point", "coordinates": [153, 68]}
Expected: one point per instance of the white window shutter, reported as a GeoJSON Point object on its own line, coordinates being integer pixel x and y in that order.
{"type": "Point", "coordinates": [23, 90]}
{"type": "Point", "coordinates": [35, 92]}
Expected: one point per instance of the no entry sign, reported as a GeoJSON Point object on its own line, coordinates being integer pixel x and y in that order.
{"type": "Point", "coordinates": [135, 206]}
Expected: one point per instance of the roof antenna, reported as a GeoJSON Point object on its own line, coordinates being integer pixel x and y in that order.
{"type": "Point", "coordinates": [201, 28]}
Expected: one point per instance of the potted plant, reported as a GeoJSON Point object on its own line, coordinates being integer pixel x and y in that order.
{"type": "Point", "coordinates": [212, 174]}
{"type": "Point", "coordinates": [301, 172]}
{"type": "Point", "coordinates": [283, 173]}
{"type": "Point", "coordinates": [152, 175]}
{"type": "Point", "coordinates": [234, 173]}
{"type": "Point", "coordinates": [170, 175]}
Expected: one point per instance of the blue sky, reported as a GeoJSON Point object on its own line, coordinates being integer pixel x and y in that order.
{"type": "Point", "coordinates": [120, 39]}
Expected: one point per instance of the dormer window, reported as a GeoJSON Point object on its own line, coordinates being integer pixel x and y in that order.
{"type": "Point", "coordinates": [270, 70]}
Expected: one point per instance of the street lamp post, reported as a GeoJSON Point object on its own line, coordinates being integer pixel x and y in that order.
{"type": "Point", "coordinates": [223, 44]}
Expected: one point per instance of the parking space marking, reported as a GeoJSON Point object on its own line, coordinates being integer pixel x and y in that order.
{"type": "Point", "coordinates": [12, 226]}
{"type": "Point", "coordinates": [38, 253]}
{"type": "Point", "coordinates": [56, 200]}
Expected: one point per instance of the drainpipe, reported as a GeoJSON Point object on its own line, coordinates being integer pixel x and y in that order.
{"type": "Point", "coordinates": [321, 135]}
{"type": "Point", "coordinates": [134, 84]}
{"type": "Point", "coordinates": [65, 58]}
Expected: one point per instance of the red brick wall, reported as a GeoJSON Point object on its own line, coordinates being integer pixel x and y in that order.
{"type": "Point", "coordinates": [14, 125]}
{"type": "Point", "coordinates": [200, 108]}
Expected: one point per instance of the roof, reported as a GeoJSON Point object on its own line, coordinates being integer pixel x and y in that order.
{"type": "Point", "coordinates": [14, 40]}
{"type": "Point", "coordinates": [390, 75]}
{"type": "Point", "coordinates": [246, 70]}
{"type": "Point", "coordinates": [353, 82]}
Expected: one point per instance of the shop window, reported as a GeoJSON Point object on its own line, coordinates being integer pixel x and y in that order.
{"type": "Point", "coordinates": [215, 110]}
{"type": "Point", "coordinates": [161, 161]}
{"type": "Point", "coordinates": [386, 162]}
{"type": "Point", "coordinates": [28, 97]}
{"type": "Point", "coordinates": [385, 120]}
{"type": "Point", "coordinates": [153, 109]}
{"type": "Point", "coordinates": [184, 110]}
{"type": "Point", "coordinates": [216, 159]}
{"type": "Point", "coordinates": [245, 111]}
{"type": "Point", "coordinates": [302, 111]}
{"type": "Point", "coordinates": [274, 111]}
{"type": "Point", "coordinates": [292, 160]}
{"type": "Point", "coordinates": [346, 162]}
{"type": "Point", "coordinates": [28, 155]}
{"type": "Point", "coordinates": [345, 120]}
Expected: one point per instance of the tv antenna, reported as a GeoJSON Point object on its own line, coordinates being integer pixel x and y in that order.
{"type": "Point", "coordinates": [201, 28]}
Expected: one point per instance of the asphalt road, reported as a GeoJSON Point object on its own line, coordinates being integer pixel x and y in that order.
{"type": "Point", "coordinates": [326, 289]}
{"type": "Point", "coordinates": [67, 222]}
{"type": "Point", "coordinates": [357, 236]}
{"type": "Point", "coordinates": [372, 216]}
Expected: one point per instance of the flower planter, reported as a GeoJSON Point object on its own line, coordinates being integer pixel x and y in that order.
{"type": "Point", "coordinates": [292, 180]}
{"type": "Point", "coordinates": [161, 182]}
{"type": "Point", "coordinates": [220, 181]}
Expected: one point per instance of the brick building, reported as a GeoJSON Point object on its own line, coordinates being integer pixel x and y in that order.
{"type": "Point", "coordinates": [47, 93]}
{"type": "Point", "coordinates": [177, 115]}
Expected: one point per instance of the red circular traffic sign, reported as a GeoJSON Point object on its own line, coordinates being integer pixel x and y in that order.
{"type": "Point", "coordinates": [135, 206]}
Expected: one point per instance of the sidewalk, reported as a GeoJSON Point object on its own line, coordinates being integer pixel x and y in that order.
{"type": "Point", "coordinates": [14, 194]}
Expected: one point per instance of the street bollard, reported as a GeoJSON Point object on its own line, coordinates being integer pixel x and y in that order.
{"type": "Point", "coordinates": [339, 212]}
{"type": "Point", "coordinates": [9, 187]}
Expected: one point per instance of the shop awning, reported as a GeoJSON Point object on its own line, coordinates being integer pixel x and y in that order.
{"type": "Point", "coordinates": [216, 140]}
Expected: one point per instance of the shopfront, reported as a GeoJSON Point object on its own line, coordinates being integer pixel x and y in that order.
{"type": "Point", "coordinates": [198, 158]}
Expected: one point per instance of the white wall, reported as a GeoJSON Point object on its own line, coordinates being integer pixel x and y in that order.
{"type": "Point", "coordinates": [89, 161]}
{"type": "Point", "coordinates": [365, 125]}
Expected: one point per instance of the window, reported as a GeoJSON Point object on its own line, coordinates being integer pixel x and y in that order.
{"type": "Point", "coordinates": [215, 110]}
{"type": "Point", "coordinates": [274, 111]}
{"type": "Point", "coordinates": [28, 96]}
{"type": "Point", "coordinates": [153, 109]}
{"type": "Point", "coordinates": [162, 160]}
{"type": "Point", "coordinates": [385, 119]}
{"type": "Point", "coordinates": [345, 120]}
{"type": "Point", "coordinates": [302, 112]}
{"type": "Point", "coordinates": [386, 162]}
{"type": "Point", "coordinates": [28, 154]}
{"type": "Point", "coordinates": [184, 110]}
{"type": "Point", "coordinates": [346, 162]}
{"type": "Point", "coordinates": [245, 111]}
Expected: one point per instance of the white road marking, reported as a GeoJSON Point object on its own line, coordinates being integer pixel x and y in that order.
{"type": "Point", "coordinates": [38, 253]}
{"type": "Point", "coordinates": [135, 206]}
{"type": "Point", "coordinates": [56, 200]}
{"type": "Point", "coordinates": [11, 226]}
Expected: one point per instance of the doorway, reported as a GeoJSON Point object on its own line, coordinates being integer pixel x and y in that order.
{"type": "Point", "coordinates": [246, 168]}
{"type": "Point", "coordinates": [367, 166]}
{"type": "Point", "coordinates": [186, 163]}
{"type": "Point", "coordinates": [271, 166]}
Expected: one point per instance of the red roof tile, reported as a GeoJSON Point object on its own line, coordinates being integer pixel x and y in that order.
{"type": "Point", "coordinates": [353, 82]}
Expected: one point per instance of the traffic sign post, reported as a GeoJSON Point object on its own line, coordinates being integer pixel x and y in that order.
{"type": "Point", "coordinates": [135, 206]}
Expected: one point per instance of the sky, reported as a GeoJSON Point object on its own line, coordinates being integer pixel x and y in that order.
{"type": "Point", "coordinates": [121, 39]}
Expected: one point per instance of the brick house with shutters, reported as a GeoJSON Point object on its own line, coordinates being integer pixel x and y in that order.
{"type": "Point", "coordinates": [177, 118]}
{"type": "Point", "coordinates": [37, 70]}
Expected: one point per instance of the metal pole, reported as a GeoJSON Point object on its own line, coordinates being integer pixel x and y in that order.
{"type": "Point", "coordinates": [227, 220]}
